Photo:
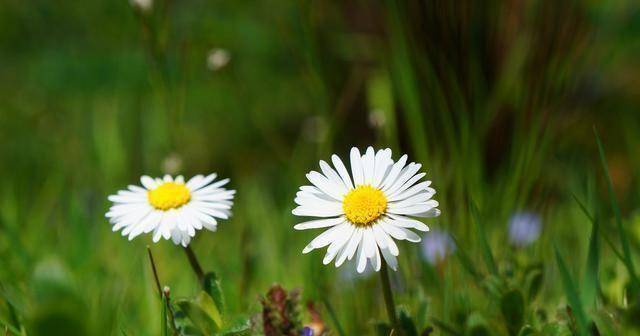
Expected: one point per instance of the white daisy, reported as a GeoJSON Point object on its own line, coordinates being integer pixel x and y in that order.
{"type": "Point", "coordinates": [170, 207]}
{"type": "Point", "coordinates": [367, 212]}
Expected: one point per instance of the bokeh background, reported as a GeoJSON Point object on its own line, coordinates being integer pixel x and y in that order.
{"type": "Point", "coordinates": [497, 99]}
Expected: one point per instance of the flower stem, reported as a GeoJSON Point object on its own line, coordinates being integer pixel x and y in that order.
{"type": "Point", "coordinates": [164, 294]}
{"type": "Point", "coordinates": [193, 261]}
{"type": "Point", "coordinates": [388, 298]}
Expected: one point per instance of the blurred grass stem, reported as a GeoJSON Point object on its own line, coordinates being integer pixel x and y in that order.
{"type": "Point", "coordinates": [164, 296]}
{"type": "Point", "coordinates": [388, 298]}
{"type": "Point", "coordinates": [193, 261]}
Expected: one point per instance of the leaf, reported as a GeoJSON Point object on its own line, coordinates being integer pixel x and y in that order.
{"type": "Point", "coordinates": [482, 238]}
{"type": "Point", "coordinates": [202, 312]}
{"type": "Point", "coordinates": [477, 325]}
{"type": "Point", "coordinates": [512, 308]}
{"type": "Point", "coordinates": [407, 325]}
{"type": "Point", "coordinates": [240, 327]}
{"type": "Point", "coordinates": [624, 240]}
{"type": "Point", "coordinates": [572, 294]}
{"type": "Point", "coordinates": [527, 330]}
{"type": "Point", "coordinates": [421, 311]}
{"type": "Point", "coordinates": [211, 285]}
{"type": "Point", "coordinates": [533, 282]}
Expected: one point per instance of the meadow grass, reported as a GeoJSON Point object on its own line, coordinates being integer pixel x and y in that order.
{"type": "Point", "coordinates": [497, 100]}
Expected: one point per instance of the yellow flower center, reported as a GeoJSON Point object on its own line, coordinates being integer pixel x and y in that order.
{"type": "Point", "coordinates": [169, 195]}
{"type": "Point", "coordinates": [363, 205]}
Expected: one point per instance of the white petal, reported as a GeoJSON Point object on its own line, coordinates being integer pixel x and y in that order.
{"type": "Point", "coordinates": [369, 243]}
{"type": "Point", "coordinates": [317, 212]}
{"type": "Point", "coordinates": [413, 200]}
{"type": "Point", "coordinates": [342, 170]}
{"type": "Point", "coordinates": [361, 258]}
{"type": "Point", "coordinates": [406, 185]}
{"type": "Point", "coordinates": [368, 162]}
{"type": "Point", "coordinates": [414, 209]}
{"type": "Point", "coordinates": [148, 182]}
{"type": "Point", "coordinates": [195, 184]}
{"type": "Point", "coordinates": [407, 172]}
{"type": "Point", "coordinates": [420, 187]}
{"type": "Point", "coordinates": [319, 223]}
{"type": "Point", "coordinates": [397, 167]}
{"type": "Point", "coordinates": [333, 177]}
{"type": "Point", "coordinates": [383, 163]}
{"type": "Point", "coordinates": [430, 213]}
{"type": "Point", "coordinates": [324, 238]}
{"type": "Point", "coordinates": [342, 237]}
{"type": "Point", "coordinates": [351, 247]}
{"type": "Point", "coordinates": [126, 199]}
{"type": "Point", "coordinates": [376, 261]}
{"type": "Point", "coordinates": [356, 167]}
{"type": "Point", "coordinates": [390, 258]}
{"type": "Point", "coordinates": [326, 185]}
{"type": "Point", "coordinates": [407, 222]}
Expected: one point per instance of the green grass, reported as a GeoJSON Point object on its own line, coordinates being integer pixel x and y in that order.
{"type": "Point", "coordinates": [497, 101]}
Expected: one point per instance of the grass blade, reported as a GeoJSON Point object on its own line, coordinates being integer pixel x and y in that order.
{"type": "Point", "coordinates": [626, 250]}
{"type": "Point", "coordinates": [482, 237]}
{"type": "Point", "coordinates": [572, 294]}
{"type": "Point", "coordinates": [590, 282]}
{"type": "Point", "coordinates": [466, 262]}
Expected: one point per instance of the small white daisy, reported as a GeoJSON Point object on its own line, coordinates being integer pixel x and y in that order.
{"type": "Point", "coordinates": [170, 207]}
{"type": "Point", "coordinates": [366, 213]}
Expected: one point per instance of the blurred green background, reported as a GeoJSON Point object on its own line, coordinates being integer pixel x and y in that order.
{"type": "Point", "coordinates": [497, 100]}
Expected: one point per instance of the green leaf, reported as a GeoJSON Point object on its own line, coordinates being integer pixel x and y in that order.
{"type": "Point", "coordinates": [572, 294]}
{"type": "Point", "coordinates": [482, 239]}
{"type": "Point", "coordinates": [202, 312]}
{"type": "Point", "coordinates": [512, 308]}
{"type": "Point", "coordinates": [477, 325]}
{"type": "Point", "coordinates": [211, 285]}
{"type": "Point", "coordinates": [533, 282]}
{"type": "Point", "coordinates": [624, 240]}
{"type": "Point", "coordinates": [527, 330]}
{"type": "Point", "coordinates": [421, 311]}
{"type": "Point", "coordinates": [407, 325]}
{"type": "Point", "coordinates": [241, 326]}
{"type": "Point", "coordinates": [556, 329]}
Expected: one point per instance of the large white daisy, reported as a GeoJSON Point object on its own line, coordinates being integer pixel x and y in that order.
{"type": "Point", "coordinates": [171, 208]}
{"type": "Point", "coordinates": [367, 210]}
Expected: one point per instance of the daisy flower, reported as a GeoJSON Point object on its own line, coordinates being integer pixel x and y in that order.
{"type": "Point", "coordinates": [171, 208]}
{"type": "Point", "coordinates": [367, 210]}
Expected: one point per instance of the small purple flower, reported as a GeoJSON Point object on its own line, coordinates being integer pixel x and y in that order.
{"type": "Point", "coordinates": [436, 246]}
{"type": "Point", "coordinates": [524, 228]}
{"type": "Point", "coordinates": [306, 331]}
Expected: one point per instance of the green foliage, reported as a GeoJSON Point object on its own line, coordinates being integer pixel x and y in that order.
{"type": "Point", "coordinates": [512, 308]}
{"type": "Point", "coordinates": [576, 309]}
{"type": "Point", "coordinates": [496, 99]}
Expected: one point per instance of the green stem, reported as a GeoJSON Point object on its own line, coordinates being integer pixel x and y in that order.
{"type": "Point", "coordinates": [388, 298]}
{"type": "Point", "coordinates": [195, 265]}
{"type": "Point", "coordinates": [333, 316]}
